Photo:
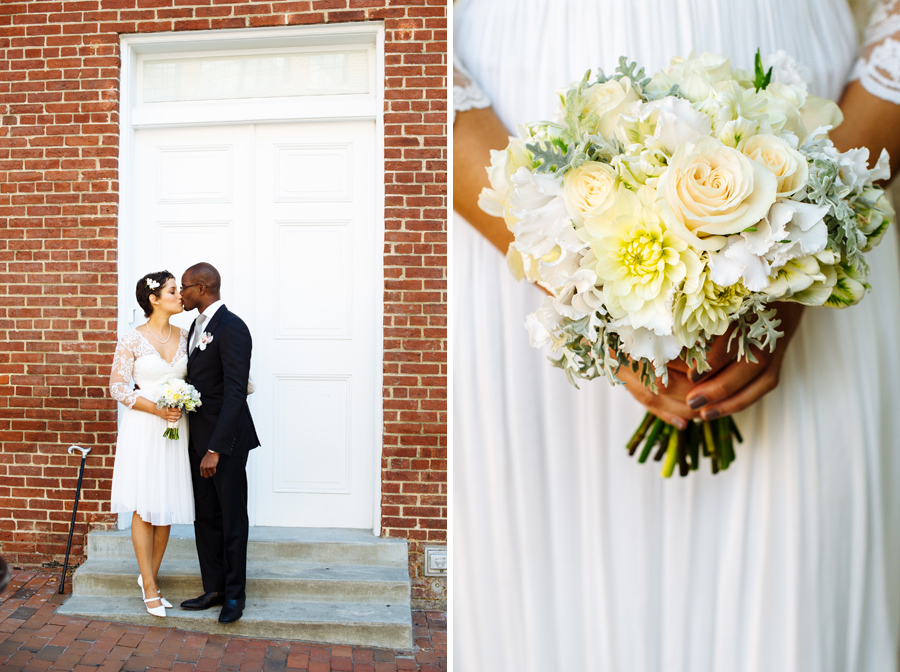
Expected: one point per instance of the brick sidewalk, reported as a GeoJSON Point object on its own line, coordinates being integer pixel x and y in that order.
{"type": "Point", "coordinates": [34, 637]}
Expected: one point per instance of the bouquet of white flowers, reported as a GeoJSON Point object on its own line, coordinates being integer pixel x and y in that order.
{"type": "Point", "coordinates": [660, 212]}
{"type": "Point", "coordinates": [177, 393]}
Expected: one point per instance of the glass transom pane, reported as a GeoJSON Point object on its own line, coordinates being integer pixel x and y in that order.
{"type": "Point", "coordinates": [256, 76]}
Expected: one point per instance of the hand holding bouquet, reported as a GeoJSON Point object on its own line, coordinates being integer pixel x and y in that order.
{"type": "Point", "coordinates": [662, 212]}
{"type": "Point", "coordinates": [177, 393]}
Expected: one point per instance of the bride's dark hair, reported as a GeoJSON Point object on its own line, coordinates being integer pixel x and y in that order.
{"type": "Point", "coordinates": [152, 283]}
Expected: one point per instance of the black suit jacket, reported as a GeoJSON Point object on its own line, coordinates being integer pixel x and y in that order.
{"type": "Point", "coordinates": [220, 373]}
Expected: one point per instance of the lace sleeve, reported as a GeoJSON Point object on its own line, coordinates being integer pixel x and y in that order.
{"type": "Point", "coordinates": [878, 67]}
{"type": "Point", "coordinates": [467, 95]}
{"type": "Point", "coordinates": [120, 379]}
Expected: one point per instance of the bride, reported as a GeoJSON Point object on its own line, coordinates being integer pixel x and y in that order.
{"type": "Point", "coordinates": [568, 554]}
{"type": "Point", "coordinates": [151, 476]}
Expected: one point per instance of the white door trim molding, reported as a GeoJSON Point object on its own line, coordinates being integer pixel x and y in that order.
{"type": "Point", "coordinates": [306, 108]}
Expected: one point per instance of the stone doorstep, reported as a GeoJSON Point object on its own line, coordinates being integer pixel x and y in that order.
{"type": "Point", "coordinates": [303, 581]}
{"type": "Point", "coordinates": [378, 625]}
{"type": "Point", "coordinates": [318, 545]}
{"type": "Point", "coordinates": [321, 585]}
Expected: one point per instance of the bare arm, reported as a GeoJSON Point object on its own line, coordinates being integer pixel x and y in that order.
{"type": "Point", "coordinates": [869, 121]}
{"type": "Point", "coordinates": [475, 133]}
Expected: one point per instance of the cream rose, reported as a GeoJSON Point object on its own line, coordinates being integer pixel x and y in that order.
{"type": "Point", "coordinates": [820, 112]}
{"type": "Point", "coordinates": [710, 191]}
{"type": "Point", "coordinates": [787, 164]}
{"type": "Point", "coordinates": [589, 189]}
{"type": "Point", "coordinates": [607, 101]}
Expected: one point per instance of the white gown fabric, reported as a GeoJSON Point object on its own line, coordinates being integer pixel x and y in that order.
{"type": "Point", "coordinates": [567, 554]}
{"type": "Point", "coordinates": [152, 474]}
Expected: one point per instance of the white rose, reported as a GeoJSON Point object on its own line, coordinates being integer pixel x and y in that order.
{"type": "Point", "coordinates": [787, 101]}
{"type": "Point", "coordinates": [674, 122]}
{"type": "Point", "coordinates": [710, 191]}
{"type": "Point", "coordinates": [786, 70]}
{"type": "Point", "coordinates": [783, 115]}
{"type": "Point", "coordinates": [712, 67]}
{"type": "Point", "coordinates": [820, 112]}
{"type": "Point", "coordinates": [695, 76]}
{"type": "Point", "coordinates": [589, 189]}
{"type": "Point", "coordinates": [787, 164]}
{"type": "Point", "coordinates": [607, 101]}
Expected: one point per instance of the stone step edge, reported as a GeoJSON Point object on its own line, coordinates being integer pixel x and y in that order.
{"type": "Point", "coordinates": [318, 552]}
{"type": "Point", "coordinates": [190, 568]}
{"type": "Point", "coordinates": [397, 613]}
{"type": "Point", "coordinates": [392, 634]}
{"type": "Point", "coordinates": [291, 535]}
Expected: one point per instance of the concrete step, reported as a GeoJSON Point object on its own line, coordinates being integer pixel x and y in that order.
{"type": "Point", "coordinates": [320, 545]}
{"type": "Point", "coordinates": [321, 585]}
{"type": "Point", "coordinates": [380, 625]}
{"type": "Point", "coordinates": [309, 582]}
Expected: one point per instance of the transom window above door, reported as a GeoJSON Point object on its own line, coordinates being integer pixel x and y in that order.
{"type": "Point", "coordinates": [242, 76]}
{"type": "Point", "coordinates": [253, 75]}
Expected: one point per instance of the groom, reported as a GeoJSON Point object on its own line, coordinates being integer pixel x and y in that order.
{"type": "Point", "coordinates": [222, 435]}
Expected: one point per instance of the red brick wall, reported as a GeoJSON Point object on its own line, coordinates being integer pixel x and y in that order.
{"type": "Point", "coordinates": [59, 71]}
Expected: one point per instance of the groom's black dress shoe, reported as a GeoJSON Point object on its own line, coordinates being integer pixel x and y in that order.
{"type": "Point", "coordinates": [231, 611]}
{"type": "Point", "coordinates": [205, 601]}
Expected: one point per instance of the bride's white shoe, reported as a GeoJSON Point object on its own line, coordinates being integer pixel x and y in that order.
{"type": "Point", "coordinates": [164, 601]}
{"type": "Point", "coordinates": [156, 611]}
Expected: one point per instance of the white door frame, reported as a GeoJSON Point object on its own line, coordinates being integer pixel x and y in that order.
{"type": "Point", "coordinates": [133, 116]}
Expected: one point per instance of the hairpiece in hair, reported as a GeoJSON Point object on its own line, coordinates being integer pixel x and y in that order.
{"type": "Point", "coordinates": [152, 284]}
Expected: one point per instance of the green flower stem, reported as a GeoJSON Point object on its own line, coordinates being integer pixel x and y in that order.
{"type": "Point", "coordinates": [671, 455]}
{"type": "Point", "coordinates": [695, 436]}
{"type": "Point", "coordinates": [652, 438]}
{"type": "Point", "coordinates": [663, 442]}
{"type": "Point", "coordinates": [715, 438]}
{"type": "Point", "coordinates": [734, 430]}
{"type": "Point", "coordinates": [728, 440]}
{"type": "Point", "coordinates": [640, 433]}
{"type": "Point", "coordinates": [683, 467]}
{"type": "Point", "coordinates": [723, 436]}
{"type": "Point", "coordinates": [709, 444]}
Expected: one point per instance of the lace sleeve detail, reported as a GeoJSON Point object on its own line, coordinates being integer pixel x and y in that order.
{"type": "Point", "coordinates": [878, 67]}
{"type": "Point", "coordinates": [467, 95]}
{"type": "Point", "coordinates": [120, 383]}
{"type": "Point", "coordinates": [182, 343]}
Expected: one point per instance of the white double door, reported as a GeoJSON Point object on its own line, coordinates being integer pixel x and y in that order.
{"type": "Point", "coordinates": [286, 213]}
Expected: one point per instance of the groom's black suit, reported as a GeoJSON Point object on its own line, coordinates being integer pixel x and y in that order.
{"type": "Point", "coordinates": [222, 424]}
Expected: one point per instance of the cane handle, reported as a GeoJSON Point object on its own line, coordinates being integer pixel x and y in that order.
{"type": "Point", "coordinates": [83, 451]}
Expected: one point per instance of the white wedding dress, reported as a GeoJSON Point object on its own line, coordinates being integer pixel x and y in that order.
{"type": "Point", "coordinates": [567, 554]}
{"type": "Point", "coordinates": [152, 474]}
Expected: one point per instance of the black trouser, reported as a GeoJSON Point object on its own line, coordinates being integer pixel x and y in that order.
{"type": "Point", "coordinates": [221, 525]}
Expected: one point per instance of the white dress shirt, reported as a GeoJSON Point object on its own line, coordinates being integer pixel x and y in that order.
{"type": "Point", "coordinates": [209, 312]}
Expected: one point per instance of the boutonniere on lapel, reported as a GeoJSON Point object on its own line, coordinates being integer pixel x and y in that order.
{"type": "Point", "coordinates": [205, 339]}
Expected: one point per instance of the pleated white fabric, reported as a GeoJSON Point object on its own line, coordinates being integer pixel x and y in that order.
{"type": "Point", "coordinates": [568, 555]}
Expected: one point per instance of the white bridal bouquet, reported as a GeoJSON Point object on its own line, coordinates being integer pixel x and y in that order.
{"type": "Point", "coordinates": [177, 393]}
{"type": "Point", "coordinates": [660, 212]}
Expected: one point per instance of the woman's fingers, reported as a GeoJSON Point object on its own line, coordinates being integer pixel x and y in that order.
{"type": "Point", "coordinates": [669, 403]}
{"type": "Point", "coordinates": [738, 384]}
{"type": "Point", "coordinates": [678, 365]}
{"type": "Point", "coordinates": [727, 381]}
{"type": "Point", "coordinates": [718, 357]}
{"type": "Point", "coordinates": [748, 395]}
